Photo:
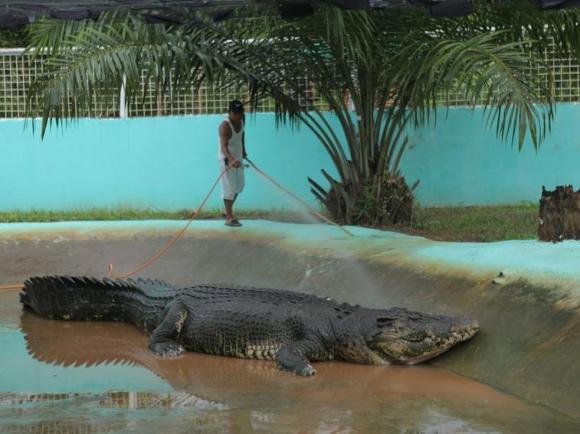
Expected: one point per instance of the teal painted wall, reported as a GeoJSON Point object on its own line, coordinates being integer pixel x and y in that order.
{"type": "Point", "coordinates": [170, 163]}
{"type": "Point", "coordinates": [162, 163]}
{"type": "Point", "coordinates": [461, 162]}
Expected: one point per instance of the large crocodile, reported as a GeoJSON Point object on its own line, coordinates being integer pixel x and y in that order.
{"type": "Point", "coordinates": [291, 328]}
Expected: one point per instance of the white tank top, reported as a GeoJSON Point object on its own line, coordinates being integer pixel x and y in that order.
{"type": "Point", "coordinates": [235, 144]}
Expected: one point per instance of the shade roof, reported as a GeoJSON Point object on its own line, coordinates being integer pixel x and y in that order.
{"type": "Point", "coordinates": [14, 14]}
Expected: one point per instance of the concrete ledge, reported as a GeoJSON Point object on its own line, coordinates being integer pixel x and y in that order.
{"type": "Point", "coordinates": [530, 339]}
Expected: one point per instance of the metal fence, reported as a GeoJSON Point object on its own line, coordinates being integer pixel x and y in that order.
{"type": "Point", "coordinates": [19, 70]}
{"type": "Point", "coordinates": [564, 71]}
{"type": "Point", "coordinates": [209, 99]}
{"type": "Point", "coordinates": [16, 74]}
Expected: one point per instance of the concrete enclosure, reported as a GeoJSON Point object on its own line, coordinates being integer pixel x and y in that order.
{"type": "Point", "coordinates": [529, 342]}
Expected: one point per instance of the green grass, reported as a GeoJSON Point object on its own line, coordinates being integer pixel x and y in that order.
{"type": "Point", "coordinates": [140, 214]}
{"type": "Point", "coordinates": [489, 223]}
{"type": "Point", "coordinates": [493, 223]}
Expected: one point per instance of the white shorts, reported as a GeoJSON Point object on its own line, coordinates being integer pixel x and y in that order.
{"type": "Point", "coordinates": [233, 181]}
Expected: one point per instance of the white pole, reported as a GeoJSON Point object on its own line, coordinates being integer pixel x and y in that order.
{"type": "Point", "coordinates": [122, 99]}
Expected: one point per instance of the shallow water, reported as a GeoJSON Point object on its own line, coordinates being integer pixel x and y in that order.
{"type": "Point", "coordinates": [70, 377]}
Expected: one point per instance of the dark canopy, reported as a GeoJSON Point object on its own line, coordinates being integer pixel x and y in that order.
{"type": "Point", "coordinates": [18, 13]}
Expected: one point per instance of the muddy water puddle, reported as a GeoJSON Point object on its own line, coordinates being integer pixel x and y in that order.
{"type": "Point", "coordinates": [70, 377]}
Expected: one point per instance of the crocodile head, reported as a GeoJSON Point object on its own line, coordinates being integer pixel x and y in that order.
{"type": "Point", "coordinates": [404, 337]}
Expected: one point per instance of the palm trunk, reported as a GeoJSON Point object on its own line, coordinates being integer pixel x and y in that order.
{"type": "Point", "coordinates": [559, 214]}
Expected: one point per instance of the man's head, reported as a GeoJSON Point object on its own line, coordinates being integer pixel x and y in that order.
{"type": "Point", "coordinates": [236, 110]}
{"type": "Point", "coordinates": [404, 337]}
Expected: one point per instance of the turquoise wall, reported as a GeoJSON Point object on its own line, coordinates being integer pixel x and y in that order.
{"type": "Point", "coordinates": [170, 163]}
{"type": "Point", "coordinates": [163, 163]}
{"type": "Point", "coordinates": [460, 162]}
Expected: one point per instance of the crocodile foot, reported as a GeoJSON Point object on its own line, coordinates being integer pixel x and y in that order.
{"type": "Point", "coordinates": [307, 371]}
{"type": "Point", "coordinates": [303, 371]}
{"type": "Point", "coordinates": [167, 349]}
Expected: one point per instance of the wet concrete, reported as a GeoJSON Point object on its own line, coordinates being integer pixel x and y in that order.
{"type": "Point", "coordinates": [529, 344]}
{"type": "Point", "coordinates": [73, 377]}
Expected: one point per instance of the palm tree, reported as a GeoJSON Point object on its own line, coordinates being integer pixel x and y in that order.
{"type": "Point", "coordinates": [378, 72]}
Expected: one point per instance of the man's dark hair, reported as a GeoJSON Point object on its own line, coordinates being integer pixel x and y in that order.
{"type": "Point", "coordinates": [236, 106]}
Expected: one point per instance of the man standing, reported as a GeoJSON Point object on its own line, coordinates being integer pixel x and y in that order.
{"type": "Point", "coordinates": [231, 152]}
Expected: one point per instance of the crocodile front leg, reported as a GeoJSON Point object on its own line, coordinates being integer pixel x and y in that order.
{"type": "Point", "coordinates": [293, 357]}
{"type": "Point", "coordinates": [163, 340]}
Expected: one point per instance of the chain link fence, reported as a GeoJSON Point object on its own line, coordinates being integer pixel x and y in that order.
{"type": "Point", "coordinates": [564, 71]}
{"type": "Point", "coordinates": [18, 70]}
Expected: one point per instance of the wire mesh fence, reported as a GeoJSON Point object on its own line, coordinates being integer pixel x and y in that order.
{"type": "Point", "coordinates": [19, 70]}
{"type": "Point", "coordinates": [210, 99]}
{"type": "Point", "coordinates": [563, 70]}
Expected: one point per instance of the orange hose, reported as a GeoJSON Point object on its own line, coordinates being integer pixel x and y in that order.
{"type": "Point", "coordinates": [177, 236]}
{"type": "Point", "coordinates": [156, 256]}
{"type": "Point", "coordinates": [296, 198]}
{"type": "Point", "coordinates": [171, 242]}
{"type": "Point", "coordinates": [11, 287]}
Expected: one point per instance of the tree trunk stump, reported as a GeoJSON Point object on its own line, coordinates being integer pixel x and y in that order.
{"type": "Point", "coordinates": [559, 214]}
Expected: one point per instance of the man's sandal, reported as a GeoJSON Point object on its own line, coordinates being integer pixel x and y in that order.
{"type": "Point", "coordinates": [233, 223]}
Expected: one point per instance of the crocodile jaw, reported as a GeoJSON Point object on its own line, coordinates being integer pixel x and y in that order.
{"type": "Point", "coordinates": [408, 350]}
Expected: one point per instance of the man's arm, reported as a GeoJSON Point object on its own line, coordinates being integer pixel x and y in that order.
{"type": "Point", "coordinates": [244, 153]}
{"type": "Point", "coordinates": [225, 135]}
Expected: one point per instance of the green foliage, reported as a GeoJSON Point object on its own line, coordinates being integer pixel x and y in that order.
{"type": "Point", "coordinates": [89, 59]}
{"type": "Point", "coordinates": [124, 213]}
{"type": "Point", "coordinates": [490, 223]}
{"type": "Point", "coordinates": [389, 203]}
{"type": "Point", "coordinates": [393, 64]}
{"type": "Point", "coordinates": [484, 223]}
{"type": "Point", "coordinates": [13, 38]}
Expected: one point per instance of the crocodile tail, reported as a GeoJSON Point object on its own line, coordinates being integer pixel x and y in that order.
{"type": "Point", "coordinates": [88, 299]}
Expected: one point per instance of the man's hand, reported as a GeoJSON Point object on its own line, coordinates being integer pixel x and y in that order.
{"type": "Point", "coordinates": [236, 163]}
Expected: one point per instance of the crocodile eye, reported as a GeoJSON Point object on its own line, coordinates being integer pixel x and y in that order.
{"type": "Point", "coordinates": [383, 323]}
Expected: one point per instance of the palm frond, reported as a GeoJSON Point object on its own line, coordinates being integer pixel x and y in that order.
{"type": "Point", "coordinates": [99, 57]}
{"type": "Point", "coordinates": [394, 66]}
{"type": "Point", "coordinates": [500, 76]}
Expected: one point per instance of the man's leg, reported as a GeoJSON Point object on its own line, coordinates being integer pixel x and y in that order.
{"type": "Point", "coordinates": [228, 205]}
{"type": "Point", "coordinates": [232, 183]}
{"type": "Point", "coordinates": [227, 193]}
{"type": "Point", "coordinates": [239, 182]}
{"type": "Point", "coordinates": [232, 207]}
